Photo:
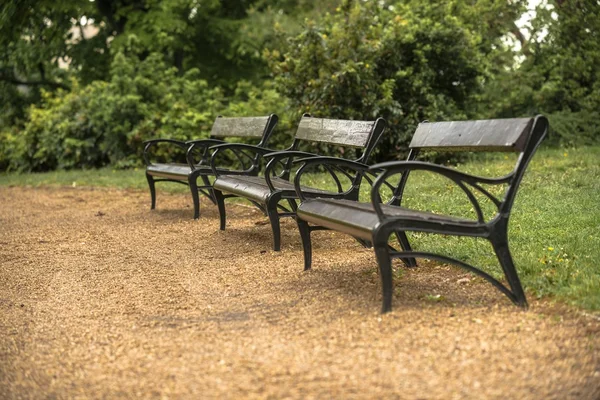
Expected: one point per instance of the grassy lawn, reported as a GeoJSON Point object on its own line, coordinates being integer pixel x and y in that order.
{"type": "Point", "coordinates": [554, 229]}
{"type": "Point", "coordinates": [105, 177]}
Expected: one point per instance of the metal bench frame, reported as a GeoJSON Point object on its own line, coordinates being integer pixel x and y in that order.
{"type": "Point", "coordinates": [268, 192]}
{"type": "Point", "coordinates": [522, 135]}
{"type": "Point", "coordinates": [247, 127]}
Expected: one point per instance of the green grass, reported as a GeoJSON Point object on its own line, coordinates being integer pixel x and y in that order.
{"type": "Point", "coordinates": [554, 229]}
{"type": "Point", "coordinates": [105, 177]}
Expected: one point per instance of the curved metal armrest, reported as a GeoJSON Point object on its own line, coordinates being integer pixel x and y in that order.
{"type": "Point", "coordinates": [276, 157]}
{"type": "Point", "coordinates": [257, 150]}
{"type": "Point", "coordinates": [332, 161]}
{"type": "Point", "coordinates": [203, 145]}
{"type": "Point", "coordinates": [289, 153]}
{"type": "Point", "coordinates": [459, 178]}
{"type": "Point", "coordinates": [331, 164]}
{"type": "Point", "coordinates": [149, 143]}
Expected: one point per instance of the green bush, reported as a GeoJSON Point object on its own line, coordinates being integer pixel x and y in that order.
{"type": "Point", "coordinates": [406, 62]}
{"type": "Point", "coordinates": [250, 100]}
{"type": "Point", "coordinates": [7, 145]}
{"type": "Point", "coordinates": [57, 134]}
{"type": "Point", "coordinates": [573, 129]}
{"type": "Point", "coordinates": [106, 122]}
{"type": "Point", "coordinates": [557, 75]}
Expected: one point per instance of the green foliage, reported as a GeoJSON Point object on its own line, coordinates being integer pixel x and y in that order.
{"type": "Point", "coordinates": [251, 100]}
{"type": "Point", "coordinates": [558, 75]}
{"type": "Point", "coordinates": [47, 43]}
{"type": "Point", "coordinates": [38, 35]}
{"type": "Point", "coordinates": [106, 122]}
{"type": "Point", "coordinates": [406, 62]}
{"type": "Point", "coordinates": [167, 67]}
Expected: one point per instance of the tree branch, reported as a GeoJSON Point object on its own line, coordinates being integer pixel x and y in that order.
{"type": "Point", "coordinates": [81, 32]}
{"type": "Point", "coordinates": [42, 71]}
{"type": "Point", "coordinates": [521, 38]}
{"type": "Point", "coordinates": [16, 81]}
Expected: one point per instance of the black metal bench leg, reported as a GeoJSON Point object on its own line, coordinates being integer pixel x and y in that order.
{"type": "Point", "coordinates": [275, 226]}
{"type": "Point", "coordinates": [220, 200]}
{"type": "Point", "coordinates": [306, 244]}
{"type": "Point", "coordinates": [293, 204]}
{"type": "Point", "coordinates": [385, 270]}
{"type": "Point", "coordinates": [506, 261]}
{"type": "Point", "coordinates": [211, 193]}
{"type": "Point", "coordinates": [151, 184]}
{"type": "Point", "coordinates": [195, 195]}
{"type": "Point", "coordinates": [405, 244]}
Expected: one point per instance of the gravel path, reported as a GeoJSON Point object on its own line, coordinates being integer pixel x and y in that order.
{"type": "Point", "coordinates": [102, 298]}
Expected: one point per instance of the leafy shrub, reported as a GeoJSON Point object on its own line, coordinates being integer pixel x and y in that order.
{"type": "Point", "coordinates": [574, 128]}
{"type": "Point", "coordinates": [106, 122]}
{"type": "Point", "coordinates": [250, 100]}
{"type": "Point", "coordinates": [558, 74]}
{"type": "Point", "coordinates": [7, 145]}
{"type": "Point", "coordinates": [406, 62]}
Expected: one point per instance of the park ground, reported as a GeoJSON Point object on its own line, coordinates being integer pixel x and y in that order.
{"type": "Point", "coordinates": [102, 298]}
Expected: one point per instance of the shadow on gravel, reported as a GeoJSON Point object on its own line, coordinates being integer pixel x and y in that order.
{"type": "Point", "coordinates": [357, 286]}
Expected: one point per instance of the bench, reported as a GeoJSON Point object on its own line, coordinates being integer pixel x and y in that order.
{"type": "Point", "coordinates": [188, 173]}
{"type": "Point", "coordinates": [268, 192]}
{"type": "Point", "coordinates": [374, 223]}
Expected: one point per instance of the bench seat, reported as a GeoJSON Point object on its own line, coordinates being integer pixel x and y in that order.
{"type": "Point", "coordinates": [169, 170]}
{"type": "Point", "coordinates": [360, 219]}
{"type": "Point", "coordinates": [256, 187]}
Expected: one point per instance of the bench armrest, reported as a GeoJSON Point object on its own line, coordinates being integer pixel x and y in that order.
{"type": "Point", "coordinates": [289, 153]}
{"type": "Point", "coordinates": [202, 145]}
{"type": "Point", "coordinates": [461, 179]}
{"type": "Point", "coordinates": [276, 158]}
{"type": "Point", "coordinates": [333, 166]}
{"type": "Point", "coordinates": [244, 153]}
{"type": "Point", "coordinates": [149, 143]}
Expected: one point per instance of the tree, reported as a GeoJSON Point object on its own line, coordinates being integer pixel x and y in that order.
{"type": "Point", "coordinates": [46, 45]}
{"type": "Point", "coordinates": [37, 35]}
{"type": "Point", "coordinates": [558, 74]}
{"type": "Point", "coordinates": [404, 61]}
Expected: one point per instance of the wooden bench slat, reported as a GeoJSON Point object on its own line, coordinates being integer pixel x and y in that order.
{"type": "Point", "coordinates": [359, 219]}
{"type": "Point", "coordinates": [239, 126]}
{"type": "Point", "coordinates": [483, 135]}
{"type": "Point", "coordinates": [255, 187]}
{"type": "Point", "coordinates": [335, 131]}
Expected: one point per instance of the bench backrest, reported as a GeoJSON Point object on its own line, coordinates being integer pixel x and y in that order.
{"type": "Point", "coordinates": [484, 135]}
{"type": "Point", "coordinates": [248, 127]}
{"type": "Point", "coordinates": [522, 135]}
{"type": "Point", "coordinates": [362, 135]}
